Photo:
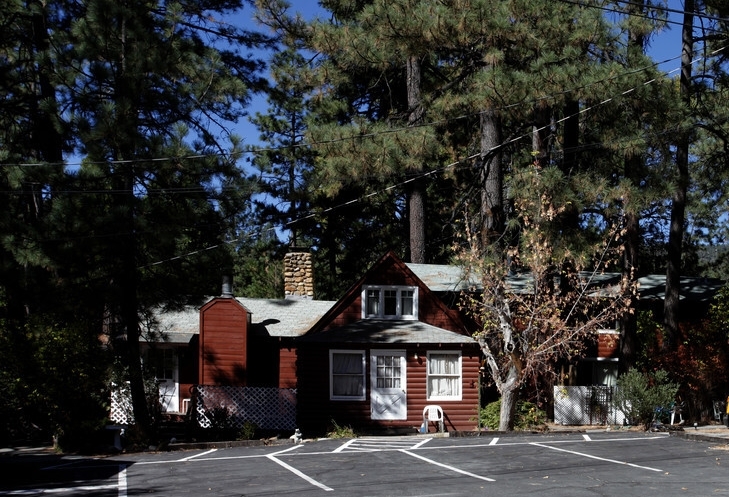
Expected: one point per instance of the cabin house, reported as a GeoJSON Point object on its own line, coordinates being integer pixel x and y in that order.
{"type": "Point", "coordinates": [374, 359]}
{"type": "Point", "coordinates": [393, 345]}
{"type": "Point", "coordinates": [231, 345]}
{"type": "Point", "coordinates": [386, 350]}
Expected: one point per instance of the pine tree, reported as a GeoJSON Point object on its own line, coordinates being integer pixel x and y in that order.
{"type": "Point", "coordinates": [285, 162]}
{"type": "Point", "coordinates": [146, 90]}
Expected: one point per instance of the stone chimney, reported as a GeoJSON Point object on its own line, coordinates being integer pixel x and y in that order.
{"type": "Point", "coordinates": [298, 275]}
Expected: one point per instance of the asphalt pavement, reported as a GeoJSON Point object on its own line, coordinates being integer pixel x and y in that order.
{"type": "Point", "coordinates": [561, 463]}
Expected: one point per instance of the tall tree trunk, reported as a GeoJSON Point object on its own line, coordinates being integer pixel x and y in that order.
{"type": "Point", "coordinates": [492, 178]}
{"type": "Point", "coordinates": [678, 207]}
{"type": "Point", "coordinates": [46, 135]}
{"type": "Point", "coordinates": [570, 218]}
{"type": "Point", "coordinates": [416, 187]}
{"type": "Point", "coordinates": [633, 166]}
{"type": "Point", "coordinates": [126, 148]}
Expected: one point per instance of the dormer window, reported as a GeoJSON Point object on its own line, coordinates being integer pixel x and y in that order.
{"type": "Point", "coordinates": [389, 302]}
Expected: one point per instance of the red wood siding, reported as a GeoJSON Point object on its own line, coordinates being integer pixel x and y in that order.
{"type": "Point", "coordinates": [287, 367]}
{"type": "Point", "coordinates": [430, 309]}
{"type": "Point", "coordinates": [317, 411]}
{"type": "Point", "coordinates": [223, 343]}
{"type": "Point", "coordinates": [608, 345]}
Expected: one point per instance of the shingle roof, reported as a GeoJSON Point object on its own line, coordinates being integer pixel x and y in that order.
{"type": "Point", "coordinates": [444, 278]}
{"type": "Point", "coordinates": [285, 317]}
{"type": "Point", "coordinates": [274, 317]}
{"type": "Point", "coordinates": [387, 331]}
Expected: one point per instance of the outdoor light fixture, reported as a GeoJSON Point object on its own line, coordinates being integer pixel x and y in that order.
{"type": "Point", "coordinates": [696, 426]}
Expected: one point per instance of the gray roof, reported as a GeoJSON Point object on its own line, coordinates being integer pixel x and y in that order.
{"type": "Point", "coordinates": [387, 332]}
{"type": "Point", "coordinates": [273, 317]}
{"type": "Point", "coordinates": [285, 317]}
{"type": "Point", "coordinates": [692, 288]}
{"type": "Point", "coordinates": [294, 317]}
{"type": "Point", "coordinates": [443, 278]}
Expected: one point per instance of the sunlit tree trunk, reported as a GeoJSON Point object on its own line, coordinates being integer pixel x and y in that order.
{"type": "Point", "coordinates": [678, 206]}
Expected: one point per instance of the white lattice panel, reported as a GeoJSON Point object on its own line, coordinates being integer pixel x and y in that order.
{"type": "Point", "coordinates": [121, 411]}
{"type": "Point", "coordinates": [267, 408]}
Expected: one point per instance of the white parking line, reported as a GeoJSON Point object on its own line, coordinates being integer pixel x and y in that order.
{"type": "Point", "coordinates": [122, 481]}
{"type": "Point", "coordinates": [57, 490]}
{"type": "Point", "coordinates": [344, 445]}
{"type": "Point", "coordinates": [494, 441]}
{"type": "Point", "coordinates": [586, 437]}
{"type": "Point", "coordinates": [184, 459]}
{"type": "Point", "coordinates": [197, 455]}
{"type": "Point", "coordinates": [595, 457]}
{"type": "Point", "coordinates": [377, 444]}
{"type": "Point", "coordinates": [451, 468]}
{"type": "Point", "coordinates": [295, 471]}
{"type": "Point", "coordinates": [418, 445]}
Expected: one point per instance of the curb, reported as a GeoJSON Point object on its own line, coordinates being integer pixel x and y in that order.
{"type": "Point", "coordinates": [698, 436]}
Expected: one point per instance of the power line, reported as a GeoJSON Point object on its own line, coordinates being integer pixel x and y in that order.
{"type": "Point", "coordinates": [645, 16]}
{"type": "Point", "coordinates": [258, 150]}
{"type": "Point", "coordinates": [426, 174]}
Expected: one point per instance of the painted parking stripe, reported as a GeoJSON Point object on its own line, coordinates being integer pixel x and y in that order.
{"type": "Point", "coordinates": [59, 490]}
{"type": "Point", "coordinates": [184, 459]}
{"type": "Point", "coordinates": [295, 471]}
{"type": "Point", "coordinates": [418, 445]}
{"type": "Point", "coordinates": [122, 481]}
{"type": "Point", "coordinates": [375, 444]}
{"type": "Point", "coordinates": [582, 454]}
{"type": "Point", "coordinates": [345, 445]}
{"type": "Point", "coordinates": [451, 468]}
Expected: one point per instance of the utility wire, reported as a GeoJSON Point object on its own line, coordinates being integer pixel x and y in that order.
{"type": "Point", "coordinates": [258, 150]}
{"type": "Point", "coordinates": [426, 174]}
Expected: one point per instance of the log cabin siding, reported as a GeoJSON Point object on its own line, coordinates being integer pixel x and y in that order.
{"type": "Point", "coordinates": [223, 343]}
{"type": "Point", "coordinates": [317, 414]}
{"type": "Point", "coordinates": [608, 345]}
{"type": "Point", "coordinates": [287, 367]}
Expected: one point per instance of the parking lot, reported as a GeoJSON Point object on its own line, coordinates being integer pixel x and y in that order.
{"type": "Point", "coordinates": [601, 463]}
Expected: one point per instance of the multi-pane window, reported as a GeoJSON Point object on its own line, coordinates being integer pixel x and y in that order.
{"type": "Point", "coordinates": [444, 376]}
{"type": "Point", "coordinates": [347, 368]}
{"type": "Point", "coordinates": [390, 302]}
{"type": "Point", "coordinates": [372, 297]}
{"type": "Point", "coordinates": [161, 363]}
{"type": "Point", "coordinates": [388, 374]}
{"type": "Point", "coordinates": [407, 302]}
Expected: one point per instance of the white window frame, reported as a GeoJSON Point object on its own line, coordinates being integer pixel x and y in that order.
{"type": "Point", "coordinates": [381, 308]}
{"type": "Point", "coordinates": [428, 375]}
{"type": "Point", "coordinates": [362, 393]}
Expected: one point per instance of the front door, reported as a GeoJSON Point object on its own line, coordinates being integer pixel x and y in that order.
{"type": "Point", "coordinates": [163, 363]}
{"type": "Point", "coordinates": [388, 399]}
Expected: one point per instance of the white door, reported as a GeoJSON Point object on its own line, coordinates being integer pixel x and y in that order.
{"type": "Point", "coordinates": [388, 399]}
{"type": "Point", "coordinates": [163, 361]}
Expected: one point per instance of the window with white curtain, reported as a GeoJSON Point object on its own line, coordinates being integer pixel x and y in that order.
{"type": "Point", "coordinates": [389, 302]}
{"type": "Point", "coordinates": [347, 374]}
{"type": "Point", "coordinates": [444, 375]}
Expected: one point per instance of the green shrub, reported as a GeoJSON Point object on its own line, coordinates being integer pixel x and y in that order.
{"type": "Point", "coordinates": [248, 431]}
{"type": "Point", "coordinates": [526, 416]}
{"type": "Point", "coordinates": [638, 395]}
{"type": "Point", "coordinates": [341, 431]}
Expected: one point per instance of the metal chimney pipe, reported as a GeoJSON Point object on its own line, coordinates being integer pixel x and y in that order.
{"type": "Point", "coordinates": [227, 290]}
